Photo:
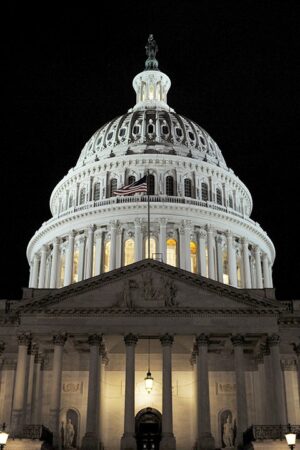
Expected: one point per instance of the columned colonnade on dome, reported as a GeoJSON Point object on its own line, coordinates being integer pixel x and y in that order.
{"type": "Point", "coordinates": [218, 255]}
{"type": "Point", "coordinates": [26, 407]}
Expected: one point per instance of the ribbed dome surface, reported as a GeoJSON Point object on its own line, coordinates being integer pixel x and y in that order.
{"type": "Point", "coordinates": [151, 130]}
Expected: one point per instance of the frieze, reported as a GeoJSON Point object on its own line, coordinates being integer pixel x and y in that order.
{"type": "Point", "coordinates": [225, 388]}
{"type": "Point", "coordinates": [72, 388]}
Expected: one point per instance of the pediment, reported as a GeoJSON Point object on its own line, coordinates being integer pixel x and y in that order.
{"type": "Point", "coordinates": [147, 285]}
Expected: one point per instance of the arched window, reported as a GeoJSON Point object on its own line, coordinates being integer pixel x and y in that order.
{"type": "Point", "coordinates": [169, 185]}
{"type": "Point", "coordinates": [96, 191]}
{"type": "Point", "coordinates": [230, 202]}
{"type": "Point", "coordinates": [82, 196]}
{"type": "Point", "coordinates": [71, 201]}
{"type": "Point", "coordinates": [219, 196]}
{"type": "Point", "coordinates": [225, 268]}
{"type": "Point", "coordinates": [62, 270]}
{"type": "Point", "coordinates": [204, 192]}
{"type": "Point", "coordinates": [151, 184]}
{"type": "Point", "coordinates": [172, 252]}
{"type": "Point", "coordinates": [75, 266]}
{"type": "Point", "coordinates": [193, 253]}
{"type": "Point", "coordinates": [113, 186]}
{"type": "Point", "coordinates": [187, 187]}
{"type": "Point", "coordinates": [152, 247]}
{"type": "Point", "coordinates": [106, 256]}
{"type": "Point", "coordinates": [128, 252]}
{"type": "Point", "coordinates": [131, 179]}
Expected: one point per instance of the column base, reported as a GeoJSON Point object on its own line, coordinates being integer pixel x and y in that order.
{"type": "Point", "coordinates": [206, 442]}
{"type": "Point", "coordinates": [17, 420]}
{"type": "Point", "coordinates": [90, 442]}
{"type": "Point", "coordinates": [128, 442]}
{"type": "Point", "coordinates": [168, 442]}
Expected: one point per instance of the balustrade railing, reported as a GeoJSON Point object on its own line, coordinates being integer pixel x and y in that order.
{"type": "Point", "coordinates": [269, 432]}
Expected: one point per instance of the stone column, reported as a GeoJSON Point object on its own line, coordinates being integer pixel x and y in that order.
{"type": "Point", "coordinates": [195, 394]}
{"type": "Point", "coordinates": [266, 270]}
{"type": "Point", "coordinates": [91, 439]}
{"type": "Point", "coordinates": [55, 252]}
{"type": "Point", "coordinates": [219, 242]}
{"type": "Point", "coordinates": [259, 284]}
{"type": "Point", "coordinates": [98, 251]}
{"type": "Point", "coordinates": [297, 351]}
{"type": "Point", "coordinates": [36, 394]}
{"type": "Point", "coordinates": [113, 232]}
{"type": "Point", "coordinates": [241, 399]}
{"type": "Point", "coordinates": [32, 352]}
{"type": "Point", "coordinates": [128, 441]}
{"type": "Point", "coordinates": [205, 439]}
{"type": "Point", "coordinates": [231, 260]}
{"type": "Point", "coordinates": [17, 419]}
{"type": "Point", "coordinates": [163, 238]}
{"type": "Point", "coordinates": [202, 250]}
{"type": "Point", "coordinates": [261, 394]}
{"type": "Point", "coordinates": [81, 258]}
{"type": "Point", "coordinates": [268, 383]}
{"type": "Point", "coordinates": [43, 267]}
{"type": "Point", "coordinates": [182, 248]}
{"type": "Point", "coordinates": [138, 248]}
{"type": "Point", "coordinates": [210, 249]}
{"type": "Point", "coordinates": [188, 229]}
{"type": "Point", "coordinates": [89, 252]}
{"type": "Point", "coordinates": [246, 264]}
{"type": "Point", "coordinates": [168, 440]}
{"type": "Point", "coordinates": [35, 274]}
{"type": "Point", "coordinates": [278, 403]}
{"type": "Point", "coordinates": [59, 342]}
{"type": "Point", "coordinates": [69, 259]}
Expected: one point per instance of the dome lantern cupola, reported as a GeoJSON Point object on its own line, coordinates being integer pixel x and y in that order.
{"type": "Point", "coordinates": [151, 85]}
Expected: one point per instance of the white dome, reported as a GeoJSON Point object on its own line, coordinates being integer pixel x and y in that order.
{"type": "Point", "coordinates": [200, 210]}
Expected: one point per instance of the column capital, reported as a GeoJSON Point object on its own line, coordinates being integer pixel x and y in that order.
{"type": "Point", "coordinates": [202, 340]}
{"type": "Point", "coordinates": [210, 229]}
{"type": "Point", "coordinates": [264, 349]}
{"type": "Point", "coordinates": [259, 358]}
{"type": "Point", "coordinates": [193, 358]}
{"type": "Point", "coordinates": [36, 257]}
{"type": "Point", "coordinates": [38, 358]}
{"type": "Point", "coordinates": [138, 222]}
{"type": "Point", "coordinates": [33, 349]}
{"type": "Point", "coordinates": [2, 347]}
{"type": "Point", "coordinates": [296, 349]}
{"type": "Point", "coordinates": [98, 233]}
{"type": "Point", "coordinates": [166, 340]}
{"type": "Point", "coordinates": [256, 249]}
{"type": "Point", "coordinates": [265, 256]}
{"type": "Point", "coordinates": [56, 241]}
{"type": "Point", "coordinates": [44, 248]}
{"type": "Point", "coordinates": [163, 221]}
{"type": "Point", "coordinates": [202, 233]}
{"type": "Point", "coordinates": [220, 239]}
{"type": "Point", "coordinates": [229, 234]}
{"type": "Point", "coordinates": [24, 338]}
{"type": "Point", "coordinates": [91, 228]}
{"type": "Point", "coordinates": [113, 224]}
{"type": "Point", "coordinates": [71, 234]}
{"type": "Point", "coordinates": [95, 340]}
{"type": "Point", "coordinates": [238, 340]}
{"type": "Point", "coordinates": [245, 241]}
{"type": "Point", "coordinates": [60, 339]}
{"type": "Point", "coordinates": [130, 339]}
{"type": "Point", "coordinates": [273, 340]}
{"type": "Point", "coordinates": [105, 359]}
{"type": "Point", "coordinates": [81, 239]}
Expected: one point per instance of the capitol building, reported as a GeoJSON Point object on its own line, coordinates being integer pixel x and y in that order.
{"type": "Point", "coordinates": [150, 319]}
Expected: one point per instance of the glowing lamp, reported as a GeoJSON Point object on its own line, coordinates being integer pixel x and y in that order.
{"type": "Point", "coordinates": [3, 437]}
{"type": "Point", "coordinates": [149, 382]}
{"type": "Point", "coordinates": [290, 437]}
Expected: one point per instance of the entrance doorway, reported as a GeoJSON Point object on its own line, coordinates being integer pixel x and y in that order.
{"type": "Point", "coordinates": [148, 429]}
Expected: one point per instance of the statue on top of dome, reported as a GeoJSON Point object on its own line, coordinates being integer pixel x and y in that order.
{"type": "Point", "coordinates": [151, 50]}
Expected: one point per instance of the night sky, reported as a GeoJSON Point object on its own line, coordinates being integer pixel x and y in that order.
{"type": "Point", "coordinates": [234, 67]}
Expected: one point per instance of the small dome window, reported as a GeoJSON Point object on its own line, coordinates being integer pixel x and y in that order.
{"type": "Point", "coordinates": [191, 135]}
{"type": "Point", "coordinates": [165, 129]}
{"type": "Point", "coordinates": [230, 202]}
{"type": "Point", "coordinates": [219, 196]}
{"type": "Point", "coordinates": [150, 128]}
{"type": "Point", "coordinates": [179, 132]}
{"type": "Point", "coordinates": [82, 196]}
{"type": "Point", "coordinates": [187, 187]}
{"type": "Point", "coordinates": [99, 140]}
{"type": "Point", "coordinates": [96, 191]}
{"type": "Point", "coordinates": [122, 132]}
{"type": "Point", "coordinates": [204, 192]}
{"type": "Point", "coordinates": [131, 179]}
{"type": "Point", "coordinates": [169, 185]}
{"type": "Point", "coordinates": [113, 186]}
{"type": "Point", "coordinates": [110, 135]}
{"type": "Point", "coordinates": [136, 129]}
{"type": "Point", "coordinates": [202, 140]}
{"type": "Point", "coordinates": [151, 185]}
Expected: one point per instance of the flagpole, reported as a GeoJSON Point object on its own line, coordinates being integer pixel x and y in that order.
{"type": "Point", "coordinates": [148, 192]}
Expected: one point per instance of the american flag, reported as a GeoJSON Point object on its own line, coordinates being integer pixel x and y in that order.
{"type": "Point", "coordinates": [133, 188]}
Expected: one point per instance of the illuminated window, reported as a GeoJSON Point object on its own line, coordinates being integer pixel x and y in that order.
{"type": "Point", "coordinates": [62, 270]}
{"type": "Point", "coordinates": [172, 252]}
{"type": "Point", "coordinates": [110, 135]}
{"type": "Point", "coordinates": [151, 184]}
{"type": "Point", "coordinates": [225, 268]}
{"type": "Point", "coordinates": [96, 191]}
{"type": "Point", "coordinates": [169, 185]}
{"type": "Point", "coordinates": [193, 253]}
{"type": "Point", "coordinates": [219, 196]}
{"type": "Point", "coordinates": [75, 266]}
{"type": "Point", "coordinates": [94, 260]}
{"type": "Point", "coordinates": [106, 256]}
{"type": "Point", "coordinates": [131, 179]}
{"type": "Point", "coordinates": [178, 132]}
{"type": "Point", "coordinates": [230, 202]}
{"type": "Point", "coordinates": [136, 129]}
{"type": "Point", "coordinates": [206, 260]}
{"type": "Point", "coordinates": [204, 192]}
{"type": "Point", "coordinates": [165, 129]}
{"type": "Point", "coordinates": [128, 252]}
{"type": "Point", "coordinates": [71, 201]}
{"type": "Point", "coordinates": [191, 135]}
{"type": "Point", "coordinates": [82, 196]}
{"type": "Point", "coordinates": [202, 140]}
{"type": "Point", "coordinates": [239, 272]}
{"type": "Point", "coordinates": [150, 128]}
{"type": "Point", "coordinates": [113, 186]}
{"type": "Point", "coordinates": [187, 187]}
{"type": "Point", "coordinates": [152, 247]}
{"type": "Point", "coordinates": [122, 132]}
{"type": "Point", "coordinates": [151, 93]}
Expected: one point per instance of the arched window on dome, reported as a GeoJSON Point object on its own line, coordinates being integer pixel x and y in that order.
{"type": "Point", "coordinates": [151, 184]}
{"type": "Point", "coordinates": [219, 196]}
{"type": "Point", "coordinates": [113, 186]}
{"type": "Point", "coordinates": [172, 252]}
{"type": "Point", "coordinates": [194, 257]}
{"type": "Point", "coordinates": [71, 201]}
{"type": "Point", "coordinates": [106, 256]}
{"type": "Point", "coordinates": [96, 193]}
{"type": "Point", "coordinates": [75, 265]}
{"type": "Point", "coordinates": [225, 268]}
{"type": "Point", "coordinates": [131, 179]}
{"type": "Point", "coordinates": [187, 187]}
{"type": "Point", "coordinates": [128, 252]}
{"type": "Point", "coordinates": [204, 192]}
{"type": "Point", "coordinates": [169, 185]}
{"type": "Point", "coordinates": [82, 196]}
{"type": "Point", "coordinates": [230, 201]}
{"type": "Point", "coordinates": [152, 247]}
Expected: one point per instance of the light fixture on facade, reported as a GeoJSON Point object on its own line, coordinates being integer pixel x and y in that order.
{"type": "Point", "coordinates": [148, 378]}
{"type": "Point", "coordinates": [3, 437]}
{"type": "Point", "coordinates": [290, 437]}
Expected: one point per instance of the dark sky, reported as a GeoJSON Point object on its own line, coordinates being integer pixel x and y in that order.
{"type": "Point", "coordinates": [234, 67]}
